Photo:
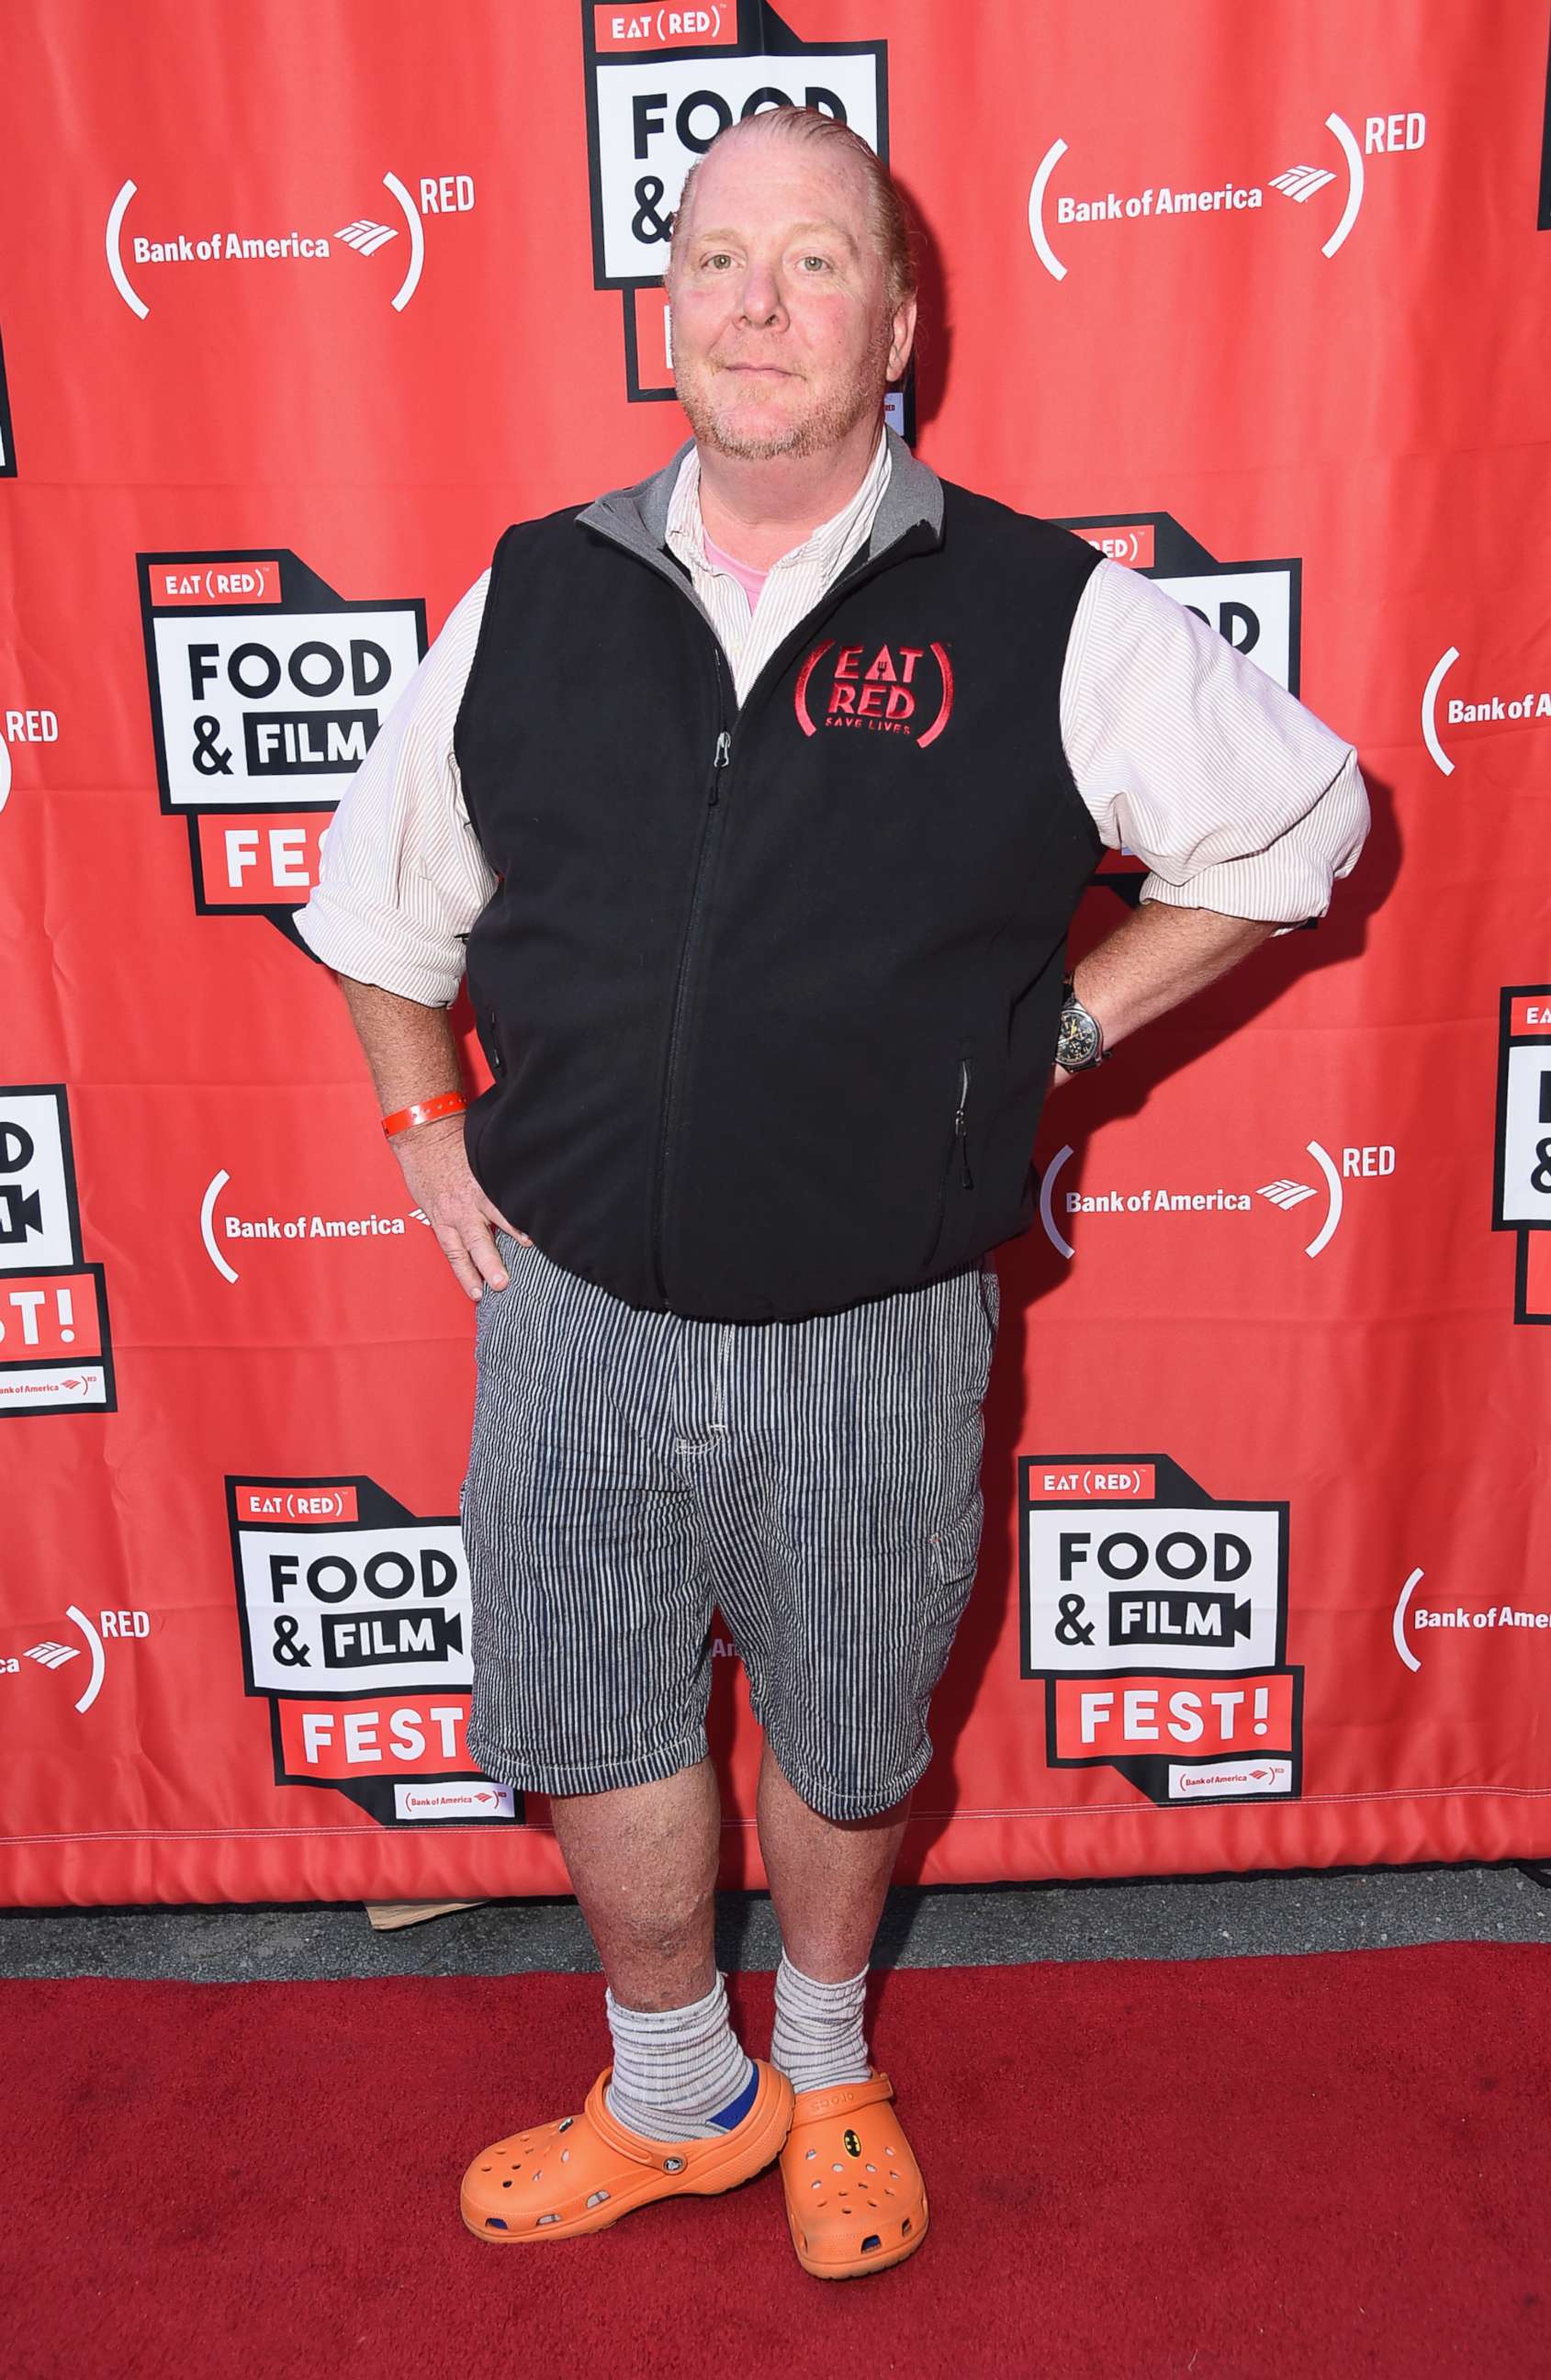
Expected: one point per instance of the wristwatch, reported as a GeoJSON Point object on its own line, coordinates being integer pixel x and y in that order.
{"type": "Point", "coordinates": [1079, 1035]}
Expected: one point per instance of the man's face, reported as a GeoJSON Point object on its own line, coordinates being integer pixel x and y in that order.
{"type": "Point", "coordinates": [783, 338]}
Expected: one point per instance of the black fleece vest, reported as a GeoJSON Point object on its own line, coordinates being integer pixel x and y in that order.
{"type": "Point", "coordinates": [770, 995]}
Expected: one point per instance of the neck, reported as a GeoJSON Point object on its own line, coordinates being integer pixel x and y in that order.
{"type": "Point", "coordinates": [757, 512]}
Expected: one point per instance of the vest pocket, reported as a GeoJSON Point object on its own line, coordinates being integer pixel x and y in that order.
{"type": "Point", "coordinates": [487, 1025]}
{"type": "Point", "coordinates": [956, 1181]}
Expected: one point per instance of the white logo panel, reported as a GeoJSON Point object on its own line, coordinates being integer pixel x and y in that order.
{"type": "Point", "coordinates": [276, 706]}
{"type": "Point", "coordinates": [1160, 1587]}
{"type": "Point", "coordinates": [656, 116]}
{"type": "Point", "coordinates": [347, 1611]}
{"type": "Point", "coordinates": [1527, 1135]}
{"type": "Point", "coordinates": [37, 1222]}
{"type": "Point", "coordinates": [1252, 609]}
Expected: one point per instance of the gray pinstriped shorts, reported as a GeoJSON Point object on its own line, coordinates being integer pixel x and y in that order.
{"type": "Point", "coordinates": [817, 1481]}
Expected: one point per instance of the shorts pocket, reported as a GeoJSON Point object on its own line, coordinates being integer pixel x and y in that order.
{"type": "Point", "coordinates": [956, 1548]}
{"type": "Point", "coordinates": [954, 1551]}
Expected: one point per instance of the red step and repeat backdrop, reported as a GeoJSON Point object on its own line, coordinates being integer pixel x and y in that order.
{"type": "Point", "coordinates": [301, 303]}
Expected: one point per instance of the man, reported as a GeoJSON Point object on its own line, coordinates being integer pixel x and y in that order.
{"type": "Point", "coordinates": [762, 795]}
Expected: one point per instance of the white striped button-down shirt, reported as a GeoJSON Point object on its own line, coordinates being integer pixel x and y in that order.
{"type": "Point", "coordinates": [1235, 796]}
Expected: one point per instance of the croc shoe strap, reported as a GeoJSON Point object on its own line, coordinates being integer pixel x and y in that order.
{"type": "Point", "coordinates": [842, 2099]}
{"type": "Point", "coordinates": [620, 2138]}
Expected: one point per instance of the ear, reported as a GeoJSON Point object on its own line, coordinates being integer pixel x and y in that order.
{"type": "Point", "coordinates": [902, 338]}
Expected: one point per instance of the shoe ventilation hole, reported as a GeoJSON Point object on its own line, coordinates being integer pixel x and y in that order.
{"type": "Point", "coordinates": [837, 2169]}
{"type": "Point", "coordinates": [869, 2244]}
{"type": "Point", "coordinates": [505, 2185]}
{"type": "Point", "coordinates": [811, 2155]}
{"type": "Point", "coordinates": [484, 2168]}
{"type": "Point", "coordinates": [873, 2204]}
{"type": "Point", "coordinates": [892, 2175]}
{"type": "Point", "coordinates": [890, 2151]}
{"type": "Point", "coordinates": [816, 2185]}
{"type": "Point", "coordinates": [549, 2218]}
{"type": "Point", "coordinates": [872, 2168]}
{"type": "Point", "coordinates": [494, 2223]}
{"type": "Point", "coordinates": [537, 2174]}
{"type": "Point", "coordinates": [886, 2192]}
{"type": "Point", "coordinates": [564, 2157]}
{"type": "Point", "coordinates": [905, 2228]}
{"type": "Point", "coordinates": [566, 2122]}
{"type": "Point", "coordinates": [598, 2198]}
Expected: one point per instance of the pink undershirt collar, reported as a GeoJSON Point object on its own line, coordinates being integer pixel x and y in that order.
{"type": "Point", "coordinates": [749, 578]}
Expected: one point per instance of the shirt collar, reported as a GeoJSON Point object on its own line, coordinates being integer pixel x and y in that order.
{"type": "Point", "coordinates": [823, 549]}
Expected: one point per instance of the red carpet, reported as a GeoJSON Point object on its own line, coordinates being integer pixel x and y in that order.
{"type": "Point", "coordinates": [1248, 2169]}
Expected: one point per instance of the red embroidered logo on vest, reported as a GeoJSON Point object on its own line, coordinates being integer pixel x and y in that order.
{"type": "Point", "coordinates": [896, 690]}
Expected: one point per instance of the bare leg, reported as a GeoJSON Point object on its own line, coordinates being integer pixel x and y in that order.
{"type": "Point", "coordinates": [827, 1877]}
{"type": "Point", "coordinates": [643, 1865]}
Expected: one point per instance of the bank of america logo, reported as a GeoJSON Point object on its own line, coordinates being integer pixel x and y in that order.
{"type": "Point", "coordinates": [366, 237]}
{"type": "Point", "coordinates": [1285, 1194]}
{"type": "Point", "coordinates": [51, 1656]}
{"type": "Point", "coordinates": [1301, 182]}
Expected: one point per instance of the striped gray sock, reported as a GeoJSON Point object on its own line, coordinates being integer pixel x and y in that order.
{"type": "Point", "coordinates": [680, 2074]}
{"type": "Point", "coordinates": [818, 2039]}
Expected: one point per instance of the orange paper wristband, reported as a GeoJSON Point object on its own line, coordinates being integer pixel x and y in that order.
{"type": "Point", "coordinates": [424, 1111]}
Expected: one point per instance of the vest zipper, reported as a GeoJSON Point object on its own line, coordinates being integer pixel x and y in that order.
{"type": "Point", "coordinates": [717, 780]}
{"type": "Point", "coordinates": [861, 568]}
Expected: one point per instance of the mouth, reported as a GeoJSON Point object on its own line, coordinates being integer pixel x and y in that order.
{"type": "Point", "coordinates": [759, 372]}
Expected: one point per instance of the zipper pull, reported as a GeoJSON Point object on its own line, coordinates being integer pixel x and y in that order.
{"type": "Point", "coordinates": [723, 750]}
{"type": "Point", "coordinates": [959, 1131]}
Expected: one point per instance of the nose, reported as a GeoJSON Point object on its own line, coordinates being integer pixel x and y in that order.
{"type": "Point", "coordinates": [760, 303]}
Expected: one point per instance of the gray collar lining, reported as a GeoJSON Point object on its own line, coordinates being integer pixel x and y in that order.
{"type": "Point", "coordinates": [638, 518]}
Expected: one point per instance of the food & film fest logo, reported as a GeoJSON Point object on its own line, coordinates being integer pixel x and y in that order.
{"type": "Point", "coordinates": [355, 1629]}
{"type": "Point", "coordinates": [660, 84]}
{"type": "Point", "coordinates": [1156, 1615]}
{"type": "Point", "coordinates": [54, 1351]}
{"type": "Point", "coordinates": [1064, 209]}
{"type": "Point", "coordinates": [1256, 606]}
{"type": "Point", "coordinates": [267, 692]}
{"type": "Point", "coordinates": [1521, 1189]}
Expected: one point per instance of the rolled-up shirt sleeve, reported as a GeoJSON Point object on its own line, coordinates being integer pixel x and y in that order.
{"type": "Point", "coordinates": [402, 876]}
{"type": "Point", "coordinates": [1190, 756]}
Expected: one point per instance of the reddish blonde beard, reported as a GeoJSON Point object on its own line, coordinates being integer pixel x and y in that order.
{"type": "Point", "coordinates": [824, 426]}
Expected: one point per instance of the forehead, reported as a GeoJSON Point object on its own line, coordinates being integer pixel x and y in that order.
{"type": "Point", "coordinates": [755, 180]}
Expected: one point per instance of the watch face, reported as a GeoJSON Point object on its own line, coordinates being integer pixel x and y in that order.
{"type": "Point", "coordinates": [1077, 1042]}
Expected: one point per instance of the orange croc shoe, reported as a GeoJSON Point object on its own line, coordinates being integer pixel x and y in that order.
{"type": "Point", "coordinates": [855, 2200]}
{"type": "Point", "coordinates": [584, 2173]}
